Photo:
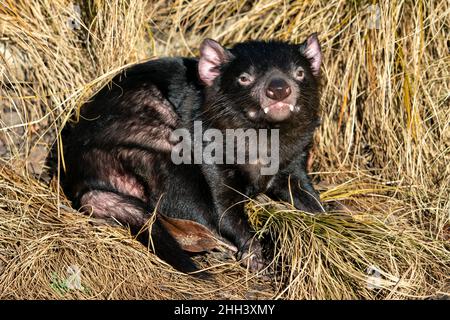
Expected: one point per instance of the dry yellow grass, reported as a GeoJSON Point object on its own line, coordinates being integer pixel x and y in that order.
{"type": "Point", "coordinates": [383, 149]}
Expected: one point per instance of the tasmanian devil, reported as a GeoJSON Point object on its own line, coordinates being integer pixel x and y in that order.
{"type": "Point", "coordinates": [118, 156]}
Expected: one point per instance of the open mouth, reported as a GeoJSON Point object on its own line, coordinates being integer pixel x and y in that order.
{"type": "Point", "coordinates": [279, 106]}
{"type": "Point", "coordinates": [279, 111]}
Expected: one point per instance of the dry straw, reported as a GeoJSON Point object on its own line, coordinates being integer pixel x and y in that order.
{"type": "Point", "coordinates": [382, 152]}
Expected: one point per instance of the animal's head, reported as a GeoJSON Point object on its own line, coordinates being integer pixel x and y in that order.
{"type": "Point", "coordinates": [264, 81]}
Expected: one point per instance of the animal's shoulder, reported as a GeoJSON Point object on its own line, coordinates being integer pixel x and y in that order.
{"type": "Point", "coordinates": [163, 72]}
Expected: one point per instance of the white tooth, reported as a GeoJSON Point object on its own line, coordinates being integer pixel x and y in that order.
{"type": "Point", "coordinates": [266, 109]}
{"type": "Point", "coordinates": [291, 107]}
{"type": "Point", "coordinates": [297, 108]}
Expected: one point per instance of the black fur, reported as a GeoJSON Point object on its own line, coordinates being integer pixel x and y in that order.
{"type": "Point", "coordinates": [118, 155]}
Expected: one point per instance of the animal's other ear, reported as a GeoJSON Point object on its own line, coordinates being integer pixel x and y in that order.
{"type": "Point", "coordinates": [212, 56]}
{"type": "Point", "coordinates": [311, 50]}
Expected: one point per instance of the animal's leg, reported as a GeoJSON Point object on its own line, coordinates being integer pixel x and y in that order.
{"type": "Point", "coordinates": [134, 213]}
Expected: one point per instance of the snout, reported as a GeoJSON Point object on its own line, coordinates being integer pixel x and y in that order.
{"type": "Point", "coordinates": [281, 100]}
{"type": "Point", "coordinates": [278, 89]}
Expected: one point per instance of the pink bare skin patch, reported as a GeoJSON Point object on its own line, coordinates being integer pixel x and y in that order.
{"type": "Point", "coordinates": [127, 184]}
{"type": "Point", "coordinates": [109, 205]}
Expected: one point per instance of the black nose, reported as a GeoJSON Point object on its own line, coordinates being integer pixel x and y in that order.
{"type": "Point", "coordinates": [278, 89]}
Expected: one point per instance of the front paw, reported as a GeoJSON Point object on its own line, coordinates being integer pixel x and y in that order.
{"type": "Point", "coordinates": [313, 206]}
{"type": "Point", "coordinates": [252, 256]}
{"type": "Point", "coordinates": [309, 203]}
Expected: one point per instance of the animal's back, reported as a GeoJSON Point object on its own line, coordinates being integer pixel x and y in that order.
{"type": "Point", "coordinates": [136, 112]}
{"type": "Point", "coordinates": [117, 156]}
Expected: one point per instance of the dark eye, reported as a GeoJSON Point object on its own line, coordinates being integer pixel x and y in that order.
{"type": "Point", "coordinates": [245, 79]}
{"type": "Point", "coordinates": [299, 74]}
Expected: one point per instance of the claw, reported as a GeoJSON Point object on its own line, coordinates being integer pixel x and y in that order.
{"type": "Point", "coordinates": [252, 257]}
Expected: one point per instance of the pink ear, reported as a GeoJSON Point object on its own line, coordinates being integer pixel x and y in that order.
{"type": "Point", "coordinates": [313, 53]}
{"type": "Point", "coordinates": [212, 55]}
